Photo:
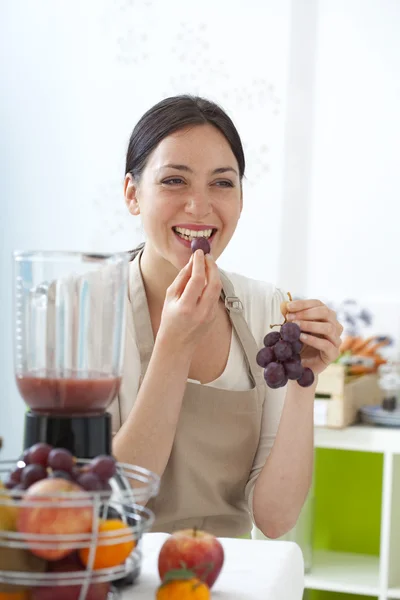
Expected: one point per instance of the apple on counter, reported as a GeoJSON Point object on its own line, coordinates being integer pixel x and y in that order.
{"type": "Point", "coordinates": [193, 550]}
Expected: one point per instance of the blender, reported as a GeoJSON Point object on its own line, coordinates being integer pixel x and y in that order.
{"type": "Point", "coordinates": [69, 333]}
{"type": "Point", "coordinates": [69, 324]}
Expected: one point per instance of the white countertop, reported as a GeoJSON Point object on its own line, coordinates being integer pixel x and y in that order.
{"type": "Point", "coordinates": [253, 570]}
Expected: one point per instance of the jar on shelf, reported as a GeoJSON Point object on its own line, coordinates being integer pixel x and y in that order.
{"type": "Point", "coordinates": [389, 382]}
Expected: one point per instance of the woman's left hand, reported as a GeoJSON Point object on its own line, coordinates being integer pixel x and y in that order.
{"type": "Point", "coordinates": [321, 332]}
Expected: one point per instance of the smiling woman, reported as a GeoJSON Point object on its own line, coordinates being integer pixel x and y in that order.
{"type": "Point", "coordinates": [193, 405]}
{"type": "Point", "coordinates": [191, 178]}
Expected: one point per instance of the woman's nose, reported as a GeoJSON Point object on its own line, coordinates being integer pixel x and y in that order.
{"type": "Point", "coordinates": [198, 204]}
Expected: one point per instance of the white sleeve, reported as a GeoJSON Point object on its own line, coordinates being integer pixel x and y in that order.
{"type": "Point", "coordinates": [273, 405]}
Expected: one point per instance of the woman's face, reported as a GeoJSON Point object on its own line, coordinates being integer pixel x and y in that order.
{"type": "Point", "coordinates": [190, 186]}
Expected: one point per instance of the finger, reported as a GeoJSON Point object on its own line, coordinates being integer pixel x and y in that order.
{"type": "Point", "coordinates": [316, 313]}
{"type": "Point", "coordinates": [178, 285]}
{"type": "Point", "coordinates": [197, 280]}
{"type": "Point", "coordinates": [326, 347]}
{"type": "Point", "coordinates": [296, 305]}
{"type": "Point", "coordinates": [319, 328]}
{"type": "Point", "coordinates": [212, 290]}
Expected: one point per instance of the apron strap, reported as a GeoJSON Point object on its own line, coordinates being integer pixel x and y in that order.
{"type": "Point", "coordinates": [141, 315]}
{"type": "Point", "coordinates": [235, 308]}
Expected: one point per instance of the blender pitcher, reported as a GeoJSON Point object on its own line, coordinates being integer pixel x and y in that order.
{"type": "Point", "coordinates": [69, 332]}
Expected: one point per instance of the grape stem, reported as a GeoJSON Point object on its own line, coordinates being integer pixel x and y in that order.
{"type": "Point", "coordinates": [285, 321]}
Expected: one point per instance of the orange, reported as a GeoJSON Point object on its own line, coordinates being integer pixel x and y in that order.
{"type": "Point", "coordinates": [112, 554]}
{"type": "Point", "coordinates": [14, 596]}
{"type": "Point", "coordinates": [183, 589]}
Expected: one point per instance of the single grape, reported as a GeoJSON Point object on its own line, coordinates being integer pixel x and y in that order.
{"type": "Point", "coordinates": [293, 369]}
{"type": "Point", "coordinates": [297, 347]}
{"type": "Point", "coordinates": [274, 374]}
{"type": "Point", "coordinates": [200, 243]}
{"type": "Point", "coordinates": [38, 454]}
{"type": "Point", "coordinates": [104, 467]}
{"type": "Point", "coordinates": [280, 384]}
{"type": "Point", "coordinates": [307, 378]}
{"type": "Point", "coordinates": [15, 475]}
{"type": "Point", "coordinates": [61, 475]}
{"type": "Point", "coordinates": [60, 460]}
{"type": "Point", "coordinates": [31, 474]}
{"type": "Point", "coordinates": [290, 332]}
{"type": "Point", "coordinates": [271, 338]}
{"type": "Point", "coordinates": [283, 350]}
{"type": "Point", "coordinates": [90, 482]}
{"type": "Point", "coordinates": [265, 356]}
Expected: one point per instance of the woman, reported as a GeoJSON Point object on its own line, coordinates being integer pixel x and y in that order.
{"type": "Point", "coordinates": [194, 406]}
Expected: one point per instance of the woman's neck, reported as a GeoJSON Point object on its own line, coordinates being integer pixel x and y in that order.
{"type": "Point", "coordinates": [158, 274]}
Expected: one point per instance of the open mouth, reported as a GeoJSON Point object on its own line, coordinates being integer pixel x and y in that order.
{"type": "Point", "coordinates": [190, 234]}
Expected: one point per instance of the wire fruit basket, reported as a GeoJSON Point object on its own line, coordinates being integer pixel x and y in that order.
{"type": "Point", "coordinates": [92, 541]}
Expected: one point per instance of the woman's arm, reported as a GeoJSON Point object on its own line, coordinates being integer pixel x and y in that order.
{"type": "Point", "coordinates": [283, 484]}
{"type": "Point", "coordinates": [146, 438]}
{"type": "Point", "coordinates": [284, 481]}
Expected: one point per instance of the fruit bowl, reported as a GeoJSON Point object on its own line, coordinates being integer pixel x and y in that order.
{"type": "Point", "coordinates": [84, 543]}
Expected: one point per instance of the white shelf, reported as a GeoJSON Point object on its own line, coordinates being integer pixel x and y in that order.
{"type": "Point", "coordinates": [363, 438]}
{"type": "Point", "coordinates": [344, 572]}
{"type": "Point", "coordinates": [394, 593]}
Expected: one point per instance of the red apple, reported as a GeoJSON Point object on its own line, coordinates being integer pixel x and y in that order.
{"type": "Point", "coordinates": [195, 550]}
{"type": "Point", "coordinates": [71, 563]}
{"type": "Point", "coordinates": [60, 520]}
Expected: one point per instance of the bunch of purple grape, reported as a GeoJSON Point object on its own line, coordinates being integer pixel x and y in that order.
{"type": "Point", "coordinates": [280, 358]}
{"type": "Point", "coordinates": [42, 461]}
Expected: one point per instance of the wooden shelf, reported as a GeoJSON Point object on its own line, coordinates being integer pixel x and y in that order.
{"type": "Point", "coordinates": [344, 572]}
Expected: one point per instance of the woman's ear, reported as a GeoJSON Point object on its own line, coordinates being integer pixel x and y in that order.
{"type": "Point", "coordinates": [130, 193]}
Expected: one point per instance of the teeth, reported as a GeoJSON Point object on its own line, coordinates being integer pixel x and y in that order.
{"type": "Point", "coordinates": [189, 234]}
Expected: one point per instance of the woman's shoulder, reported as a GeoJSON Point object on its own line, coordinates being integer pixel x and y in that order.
{"type": "Point", "coordinates": [252, 290]}
{"type": "Point", "coordinates": [261, 302]}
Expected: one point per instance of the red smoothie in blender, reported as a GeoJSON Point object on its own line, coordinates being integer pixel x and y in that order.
{"type": "Point", "coordinates": [73, 393]}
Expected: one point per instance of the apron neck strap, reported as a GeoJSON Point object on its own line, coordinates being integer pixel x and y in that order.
{"type": "Point", "coordinates": [141, 314]}
{"type": "Point", "coordinates": [234, 307]}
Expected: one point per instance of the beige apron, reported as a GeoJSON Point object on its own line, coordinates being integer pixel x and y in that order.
{"type": "Point", "coordinates": [216, 439]}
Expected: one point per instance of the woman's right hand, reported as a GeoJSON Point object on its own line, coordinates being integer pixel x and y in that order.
{"type": "Point", "coordinates": [191, 302]}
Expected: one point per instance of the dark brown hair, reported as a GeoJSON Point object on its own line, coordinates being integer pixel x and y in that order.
{"type": "Point", "coordinates": [167, 117]}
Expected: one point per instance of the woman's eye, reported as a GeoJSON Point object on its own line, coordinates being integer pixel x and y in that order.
{"type": "Point", "coordinates": [224, 183]}
{"type": "Point", "coordinates": [173, 181]}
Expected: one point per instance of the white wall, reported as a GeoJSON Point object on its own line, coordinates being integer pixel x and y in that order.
{"type": "Point", "coordinates": [355, 200]}
{"type": "Point", "coordinates": [354, 205]}
{"type": "Point", "coordinates": [77, 77]}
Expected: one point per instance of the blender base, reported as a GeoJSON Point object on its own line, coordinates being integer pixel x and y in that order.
{"type": "Point", "coordinates": [83, 436]}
